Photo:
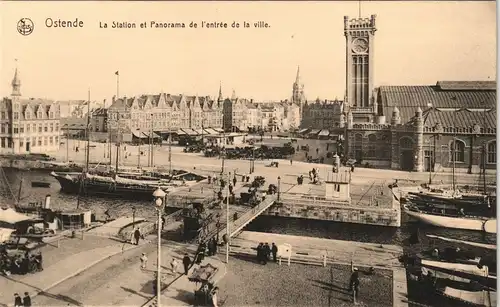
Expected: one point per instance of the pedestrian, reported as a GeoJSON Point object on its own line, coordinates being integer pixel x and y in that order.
{"type": "Point", "coordinates": [186, 261]}
{"type": "Point", "coordinates": [260, 252]}
{"type": "Point", "coordinates": [274, 250]}
{"type": "Point", "coordinates": [214, 296]}
{"type": "Point", "coordinates": [234, 180]}
{"type": "Point", "coordinates": [267, 250]}
{"type": "Point", "coordinates": [162, 222]}
{"type": "Point", "coordinates": [174, 264]}
{"type": "Point", "coordinates": [137, 235]}
{"type": "Point", "coordinates": [144, 261]}
{"type": "Point", "coordinates": [291, 161]}
{"type": "Point", "coordinates": [354, 284]}
{"type": "Point", "coordinates": [17, 300]}
{"type": "Point", "coordinates": [26, 299]}
{"type": "Point", "coordinates": [214, 245]}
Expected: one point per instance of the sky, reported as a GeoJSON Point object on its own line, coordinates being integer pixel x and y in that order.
{"type": "Point", "coordinates": [417, 43]}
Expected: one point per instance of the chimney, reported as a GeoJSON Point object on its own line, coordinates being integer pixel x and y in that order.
{"type": "Point", "coordinates": [113, 99]}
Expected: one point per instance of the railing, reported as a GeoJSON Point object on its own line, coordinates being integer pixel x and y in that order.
{"type": "Point", "coordinates": [148, 227]}
{"type": "Point", "coordinates": [325, 257]}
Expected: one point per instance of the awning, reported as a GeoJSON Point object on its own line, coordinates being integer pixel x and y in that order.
{"type": "Point", "coordinates": [324, 132]}
{"type": "Point", "coordinates": [302, 130]}
{"type": "Point", "coordinates": [139, 134]}
{"type": "Point", "coordinates": [190, 132]}
{"type": "Point", "coordinates": [220, 130]}
{"type": "Point", "coordinates": [199, 131]}
{"type": "Point", "coordinates": [148, 134]}
{"type": "Point", "coordinates": [180, 132]}
{"type": "Point", "coordinates": [211, 131]}
{"type": "Point", "coordinates": [10, 216]}
{"type": "Point", "coordinates": [314, 131]}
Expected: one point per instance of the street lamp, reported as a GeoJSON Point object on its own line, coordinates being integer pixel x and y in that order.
{"type": "Point", "coordinates": [279, 187]}
{"type": "Point", "coordinates": [159, 196]}
{"type": "Point", "coordinates": [133, 216]}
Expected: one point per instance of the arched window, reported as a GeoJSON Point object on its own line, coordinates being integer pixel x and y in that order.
{"type": "Point", "coordinates": [358, 138]}
{"type": "Point", "coordinates": [457, 151]}
{"type": "Point", "coordinates": [406, 143]}
{"type": "Point", "coordinates": [491, 152]}
{"type": "Point", "coordinates": [372, 138]}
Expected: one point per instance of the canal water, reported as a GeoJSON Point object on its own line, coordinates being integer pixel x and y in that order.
{"type": "Point", "coordinates": [272, 224]}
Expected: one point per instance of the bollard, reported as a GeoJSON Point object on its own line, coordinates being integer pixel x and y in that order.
{"type": "Point", "coordinates": [279, 262]}
{"type": "Point", "coordinates": [324, 260]}
{"type": "Point", "coordinates": [289, 260]}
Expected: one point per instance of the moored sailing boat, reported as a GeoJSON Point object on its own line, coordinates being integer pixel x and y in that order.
{"type": "Point", "coordinates": [488, 225]}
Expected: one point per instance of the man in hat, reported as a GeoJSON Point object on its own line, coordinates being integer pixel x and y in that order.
{"type": "Point", "coordinates": [354, 284]}
{"type": "Point", "coordinates": [186, 261]}
{"type": "Point", "coordinates": [26, 299]}
{"type": "Point", "coordinates": [17, 300]}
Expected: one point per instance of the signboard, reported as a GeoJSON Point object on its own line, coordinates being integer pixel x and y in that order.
{"type": "Point", "coordinates": [284, 252]}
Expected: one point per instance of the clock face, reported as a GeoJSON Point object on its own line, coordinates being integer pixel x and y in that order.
{"type": "Point", "coordinates": [360, 45]}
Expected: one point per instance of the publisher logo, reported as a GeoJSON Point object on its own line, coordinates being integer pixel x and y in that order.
{"type": "Point", "coordinates": [25, 26]}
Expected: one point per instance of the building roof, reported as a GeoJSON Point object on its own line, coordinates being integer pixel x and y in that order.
{"type": "Point", "coordinates": [169, 99]}
{"type": "Point", "coordinates": [443, 95]}
{"type": "Point", "coordinates": [461, 118]}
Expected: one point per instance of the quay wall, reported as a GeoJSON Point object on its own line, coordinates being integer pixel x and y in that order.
{"type": "Point", "coordinates": [338, 213]}
{"type": "Point", "coordinates": [370, 215]}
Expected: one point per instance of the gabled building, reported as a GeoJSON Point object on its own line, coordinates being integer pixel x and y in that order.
{"type": "Point", "coordinates": [28, 125]}
{"type": "Point", "coordinates": [161, 114]}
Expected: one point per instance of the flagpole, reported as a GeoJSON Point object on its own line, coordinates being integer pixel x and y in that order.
{"type": "Point", "coordinates": [117, 84]}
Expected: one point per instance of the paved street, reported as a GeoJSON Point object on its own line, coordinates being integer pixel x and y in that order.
{"type": "Point", "coordinates": [287, 172]}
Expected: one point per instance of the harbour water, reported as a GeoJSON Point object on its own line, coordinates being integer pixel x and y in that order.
{"type": "Point", "coordinates": [281, 225]}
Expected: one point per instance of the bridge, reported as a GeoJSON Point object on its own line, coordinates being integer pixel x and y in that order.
{"type": "Point", "coordinates": [236, 226]}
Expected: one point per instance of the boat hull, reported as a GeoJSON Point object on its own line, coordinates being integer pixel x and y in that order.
{"type": "Point", "coordinates": [485, 225]}
{"type": "Point", "coordinates": [105, 189]}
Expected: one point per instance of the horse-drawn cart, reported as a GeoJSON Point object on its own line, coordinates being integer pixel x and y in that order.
{"type": "Point", "coordinates": [207, 276]}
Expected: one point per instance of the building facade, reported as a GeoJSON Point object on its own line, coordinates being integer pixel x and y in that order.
{"type": "Point", "coordinates": [162, 113]}
{"type": "Point", "coordinates": [322, 114]}
{"type": "Point", "coordinates": [28, 125]}
{"type": "Point", "coordinates": [449, 125]}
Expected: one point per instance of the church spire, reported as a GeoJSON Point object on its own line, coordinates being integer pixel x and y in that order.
{"type": "Point", "coordinates": [219, 99]}
{"type": "Point", "coordinates": [16, 84]}
{"type": "Point", "coordinates": [297, 78]}
{"type": "Point", "coordinates": [233, 96]}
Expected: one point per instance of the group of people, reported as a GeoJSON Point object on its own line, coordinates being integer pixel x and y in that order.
{"type": "Point", "coordinates": [21, 264]}
{"type": "Point", "coordinates": [314, 175]}
{"type": "Point", "coordinates": [25, 301]}
{"type": "Point", "coordinates": [264, 252]}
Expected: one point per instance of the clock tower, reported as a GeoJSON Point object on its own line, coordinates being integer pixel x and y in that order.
{"type": "Point", "coordinates": [359, 34]}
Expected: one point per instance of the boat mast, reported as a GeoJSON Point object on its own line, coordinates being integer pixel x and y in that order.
{"type": "Point", "coordinates": [483, 154]}
{"type": "Point", "coordinates": [454, 155]}
{"type": "Point", "coordinates": [87, 155]}
{"type": "Point", "coordinates": [88, 135]}
{"type": "Point", "coordinates": [170, 151]}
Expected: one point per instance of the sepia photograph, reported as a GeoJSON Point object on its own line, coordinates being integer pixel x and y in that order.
{"type": "Point", "coordinates": [249, 153]}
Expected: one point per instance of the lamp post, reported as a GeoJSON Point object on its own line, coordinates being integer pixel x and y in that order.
{"type": "Point", "coordinates": [159, 196]}
{"type": "Point", "coordinates": [133, 216]}
{"type": "Point", "coordinates": [279, 187]}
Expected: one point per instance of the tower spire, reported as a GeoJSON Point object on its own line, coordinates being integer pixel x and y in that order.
{"type": "Point", "coordinates": [297, 78]}
{"type": "Point", "coordinates": [16, 83]}
{"type": "Point", "coordinates": [220, 92]}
